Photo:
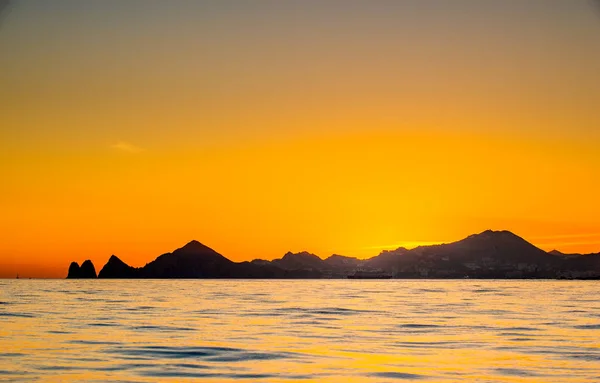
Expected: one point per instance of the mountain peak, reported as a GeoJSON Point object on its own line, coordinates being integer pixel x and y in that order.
{"type": "Point", "coordinates": [302, 254]}
{"type": "Point", "coordinates": [496, 233]}
{"type": "Point", "coordinates": [193, 243]}
{"type": "Point", "coordinates": [195, 246]}
{"type": "Point", "coordinates": [400, 250]}
{"type": "Point", "coordinates": [116, 268]}
{"type": "Point", "coordinates": [297, 261]}
{"type": "Point", "coordinates": [497, 237]}
{"type": "Point", "coordinates": [337, 256]}
{"type": "Point", "coordinates": [502, 235]}
{"type": "Point", "coordinates": [116, 260]}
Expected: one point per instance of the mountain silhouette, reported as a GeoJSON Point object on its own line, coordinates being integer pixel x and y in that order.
{"type": "Point", "coordinates": [387, 259]}
{"type": "Point", "coordinates": [490, 254]}
{"type": "Point", "coordinates": [571, 255]}
{"type": "Point", "coordinates": [193, 260]}
{"type": "Point", "coordinates": [299, 261]}
{"type": "Point", "coordinates": [499, 246]}
{"type": "Point", "coordinates": [336, 261]}
{"type": "Point", "coordinates": [583, 265]}
{"type": "Point", "coordinates": [115, 268]}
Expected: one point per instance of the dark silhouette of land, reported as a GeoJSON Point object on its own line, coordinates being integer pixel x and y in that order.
{"type": "Point", "coordinates": [491, 254]}
{"type": "Point", "coordinates": [195, 260]}
{"type": "Point", "coordinates": [87, 270]}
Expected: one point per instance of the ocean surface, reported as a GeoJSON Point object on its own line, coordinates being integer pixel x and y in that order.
{"type": "Point", "coordinates": [299, 331]}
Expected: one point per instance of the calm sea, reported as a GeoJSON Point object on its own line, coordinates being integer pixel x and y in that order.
{"type": "Point", "coordinates": [299, 331]}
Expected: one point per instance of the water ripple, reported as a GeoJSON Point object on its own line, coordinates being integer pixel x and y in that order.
{"type": "Point", "coordinates": [398, 375]}
{"type": "Point", "coordinates": [326, 330]}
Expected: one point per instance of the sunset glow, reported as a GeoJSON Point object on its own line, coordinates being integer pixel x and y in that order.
{"type": "Point", "coordinates": [131, 128]}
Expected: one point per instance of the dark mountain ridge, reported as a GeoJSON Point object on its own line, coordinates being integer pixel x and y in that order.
{"type": "Point", "coordinates": [490, 254]}
{"type": "Point", "coordinates": [336, 261]}
{"type": "Point", "coordinates": [195, 260]}
{"type": "Point", "coordinates": [572, 255]}
{"type": "Point", "coordinates": [115, 268]}
{"type": "Point", "coordinates": [299, 261]}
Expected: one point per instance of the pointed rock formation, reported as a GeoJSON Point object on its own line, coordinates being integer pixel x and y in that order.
{"type": "Point", "coordinates": [74, 271]}
{"type": "Point", "coordinates": [115, 268]}
{"type": "Point", "coordinates": [87, 270]}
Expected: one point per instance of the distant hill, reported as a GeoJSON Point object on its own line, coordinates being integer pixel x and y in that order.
{"type": "Point", "coordinates": [559, 254]}
{"type": "Point", "coordinates": [115, 268]}
{"type": "Point", "coordinates": [335, 266]}
{"type": "Point", "coordinates": [571, 255]}
{"type": "Point", "coordinates": [388, 259]}
{"type": "Point", "coordinates": [342, 262]}
{"type": "Point", "coordinates": [581, 264]}
{"type": "Point", "coordinates": [490, 254]}
{"type": "Point", "coordinates": [195, 260]}
{"type": "Point", "coordinates": [299, 261]}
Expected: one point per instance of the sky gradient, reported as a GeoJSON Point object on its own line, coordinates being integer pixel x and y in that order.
{"type": "Point", "coordinates": [348, 127]}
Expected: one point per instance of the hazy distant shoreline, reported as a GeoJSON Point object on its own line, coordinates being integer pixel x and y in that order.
{"type": "Point", "coordinates": [488, 255]}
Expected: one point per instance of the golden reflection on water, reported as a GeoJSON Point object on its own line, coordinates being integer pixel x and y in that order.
{"type": "Point", "coordinates": [299, 331]}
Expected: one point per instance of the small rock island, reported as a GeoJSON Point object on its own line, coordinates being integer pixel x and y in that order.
{"type": "Point", "coordinates": [87, 270]}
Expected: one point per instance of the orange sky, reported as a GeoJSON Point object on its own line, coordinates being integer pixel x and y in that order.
{"type": "Point", "coordinates": [346, 128]}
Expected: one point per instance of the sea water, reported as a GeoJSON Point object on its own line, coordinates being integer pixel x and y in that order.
{"type": "Point", "coordinates": [299, 331]}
